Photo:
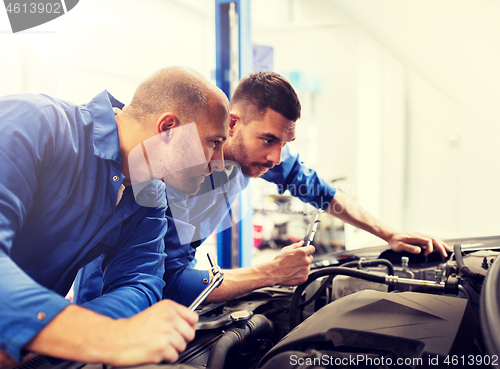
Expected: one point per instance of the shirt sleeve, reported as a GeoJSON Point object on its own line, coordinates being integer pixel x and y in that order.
{"type": "Point", "coordinates": [192, 220]}
{"type": "Point", "coordinates": [88, 282]}
{"type": "Point", "coordinates": [187, 284]}
{"type": "Point", "coordinates": [133, 271]}
{"type": "Point", "coordinates": [302, 182]}
{"type": "Point", "coordinates": [182, 283]}
{"type": "Point", "coordinates": [26, 306]}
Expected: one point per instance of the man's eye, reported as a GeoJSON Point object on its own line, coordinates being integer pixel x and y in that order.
{"type": "Point", "coordinates": [216, 142]}
{"type": "Point", "coordinates": [267, 141]}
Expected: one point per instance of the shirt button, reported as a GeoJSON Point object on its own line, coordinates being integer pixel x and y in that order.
{"type": "Point", "coordinates": [205, 280]}
{"type": "Point", "coordinates": [41, 315]}
{"type": "Point", "coordinates": [115, 178]}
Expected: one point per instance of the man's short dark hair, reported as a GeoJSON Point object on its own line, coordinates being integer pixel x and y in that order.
{"type": "Point", "coordinates": [260, 91]}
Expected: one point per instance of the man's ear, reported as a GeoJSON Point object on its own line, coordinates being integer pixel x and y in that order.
{"type": "Point", "coordinates": [235, 119]}
{"type": "Point", "coordinates": [166, 122]}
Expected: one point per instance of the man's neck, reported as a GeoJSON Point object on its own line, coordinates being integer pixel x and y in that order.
{"type": "Point", "coordinates": [129, 136]}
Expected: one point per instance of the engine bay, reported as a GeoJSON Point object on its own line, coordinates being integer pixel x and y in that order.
{"type": "Point", "coordinates": [372, 308]}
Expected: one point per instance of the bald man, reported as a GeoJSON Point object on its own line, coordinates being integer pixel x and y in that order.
{"type": "Point", "coordinates": [77, 183]}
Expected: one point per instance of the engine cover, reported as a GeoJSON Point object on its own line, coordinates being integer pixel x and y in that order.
{"type": "Point", "coordinates": [406, 325]}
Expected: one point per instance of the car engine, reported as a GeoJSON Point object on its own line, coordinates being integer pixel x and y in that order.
{"type": "Point", "coordinates": [372, 308]}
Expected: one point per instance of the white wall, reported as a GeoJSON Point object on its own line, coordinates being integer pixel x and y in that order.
{"type": "Point", "coordinates": [410, 153]}
{"type": "Point", "coordinates": [113, 45]}
{"type": "Point", "coordinates": [454, 161]}
{"type": "Point", "coordinates": [313, 46]}
{"type": "Point", "coordinates": [451, 51]}
{"type": "Point", "coordinates": [107, 45]}
{"type": "Point", "coordinates": [413, 156]}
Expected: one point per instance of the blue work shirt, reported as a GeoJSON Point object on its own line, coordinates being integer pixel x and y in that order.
{"type": "Point", "coordinates": [60, 177]}
{"type": "Point", "coordinates": [183, 283]}
{"type": "Point", "coordinates": [195, 220]}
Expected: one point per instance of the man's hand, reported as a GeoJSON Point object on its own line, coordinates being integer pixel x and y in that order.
{"type": "Point", "coordinates": [157, 334]}
{"type": "Point", "coordinates": [6, 361]}
{"type": "Point", "coordinates": [291, 267]}
{"type": "Point", "coordinates": [414, 242]}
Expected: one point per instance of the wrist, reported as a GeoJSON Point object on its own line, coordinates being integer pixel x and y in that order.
{"type": "Point", "coordinates": [266, 274]}
{"type": "Point", "coordinates": [105, 339]}
{"type": "Point", "coordinates": [386, 233]}
{"type": "Point", "coordinates": [115, 347]}
{"type": "Point", "coordinates": [104, 349]}
{"type": "Point", "coordinates": [110, 347]}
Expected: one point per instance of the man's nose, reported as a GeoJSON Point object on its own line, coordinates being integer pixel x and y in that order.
{"type": "Point", "coordinates": [274, 156]}
{"type": "Point", "coordinates": [217, 162]}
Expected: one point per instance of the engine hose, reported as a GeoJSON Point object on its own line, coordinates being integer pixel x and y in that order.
{"type": "Point", "coordinates": [369, 263]}
{"type": "Point", "coordinates": [294, 303]}
{"type": "Point", "coordinates": [360, 263]}
{"type": "Point", "coordinates": [234, 337]}
{"type": "Point", "coordinates": [462, 269]}
{"type": "Point", "coordinates": [320, 290]}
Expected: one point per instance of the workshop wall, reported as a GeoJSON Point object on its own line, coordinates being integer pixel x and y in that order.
{"type": "Point", "coordinates": [414, 157]}
{"type": "Point", "coordinates": [123, 41]}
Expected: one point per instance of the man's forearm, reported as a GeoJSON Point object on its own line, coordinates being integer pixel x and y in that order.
{"type": "Point", "coordinates": [352, 212]}
{"type": "Point", "coordinates": [290, 267]}
{"type": "Point", "coordinates": [156, 334]}
{"type": "Point", "coordinates": [76, 334]}
{"type": "Point", "coordinates": [240, 281]}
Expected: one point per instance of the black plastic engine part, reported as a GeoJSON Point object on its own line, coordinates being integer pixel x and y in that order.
{"type": "Point", "coordinates": [490, 309]}
{"type": "Point", "coordinates": [451, 284]}
{"type": "Point", "coordinates": [472, 269]}
{"type": "Point", "coordinates": [234, 337]}
{"type": "Point", "coordinates": [370, 263]}
{"type": "Point", "coordinates": [464, 270]}
{"type": "Point", "coordinates": [406, 325]}
{"type": "Point", "coordinates": [473, 266]}
{"type": "Point", "coordinates": [297, 295]}
{"type": "Point", "coordinates": [414, 259]}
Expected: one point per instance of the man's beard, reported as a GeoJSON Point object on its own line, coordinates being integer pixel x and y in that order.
{"type": "Point", "coordinates": [241, 156]}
